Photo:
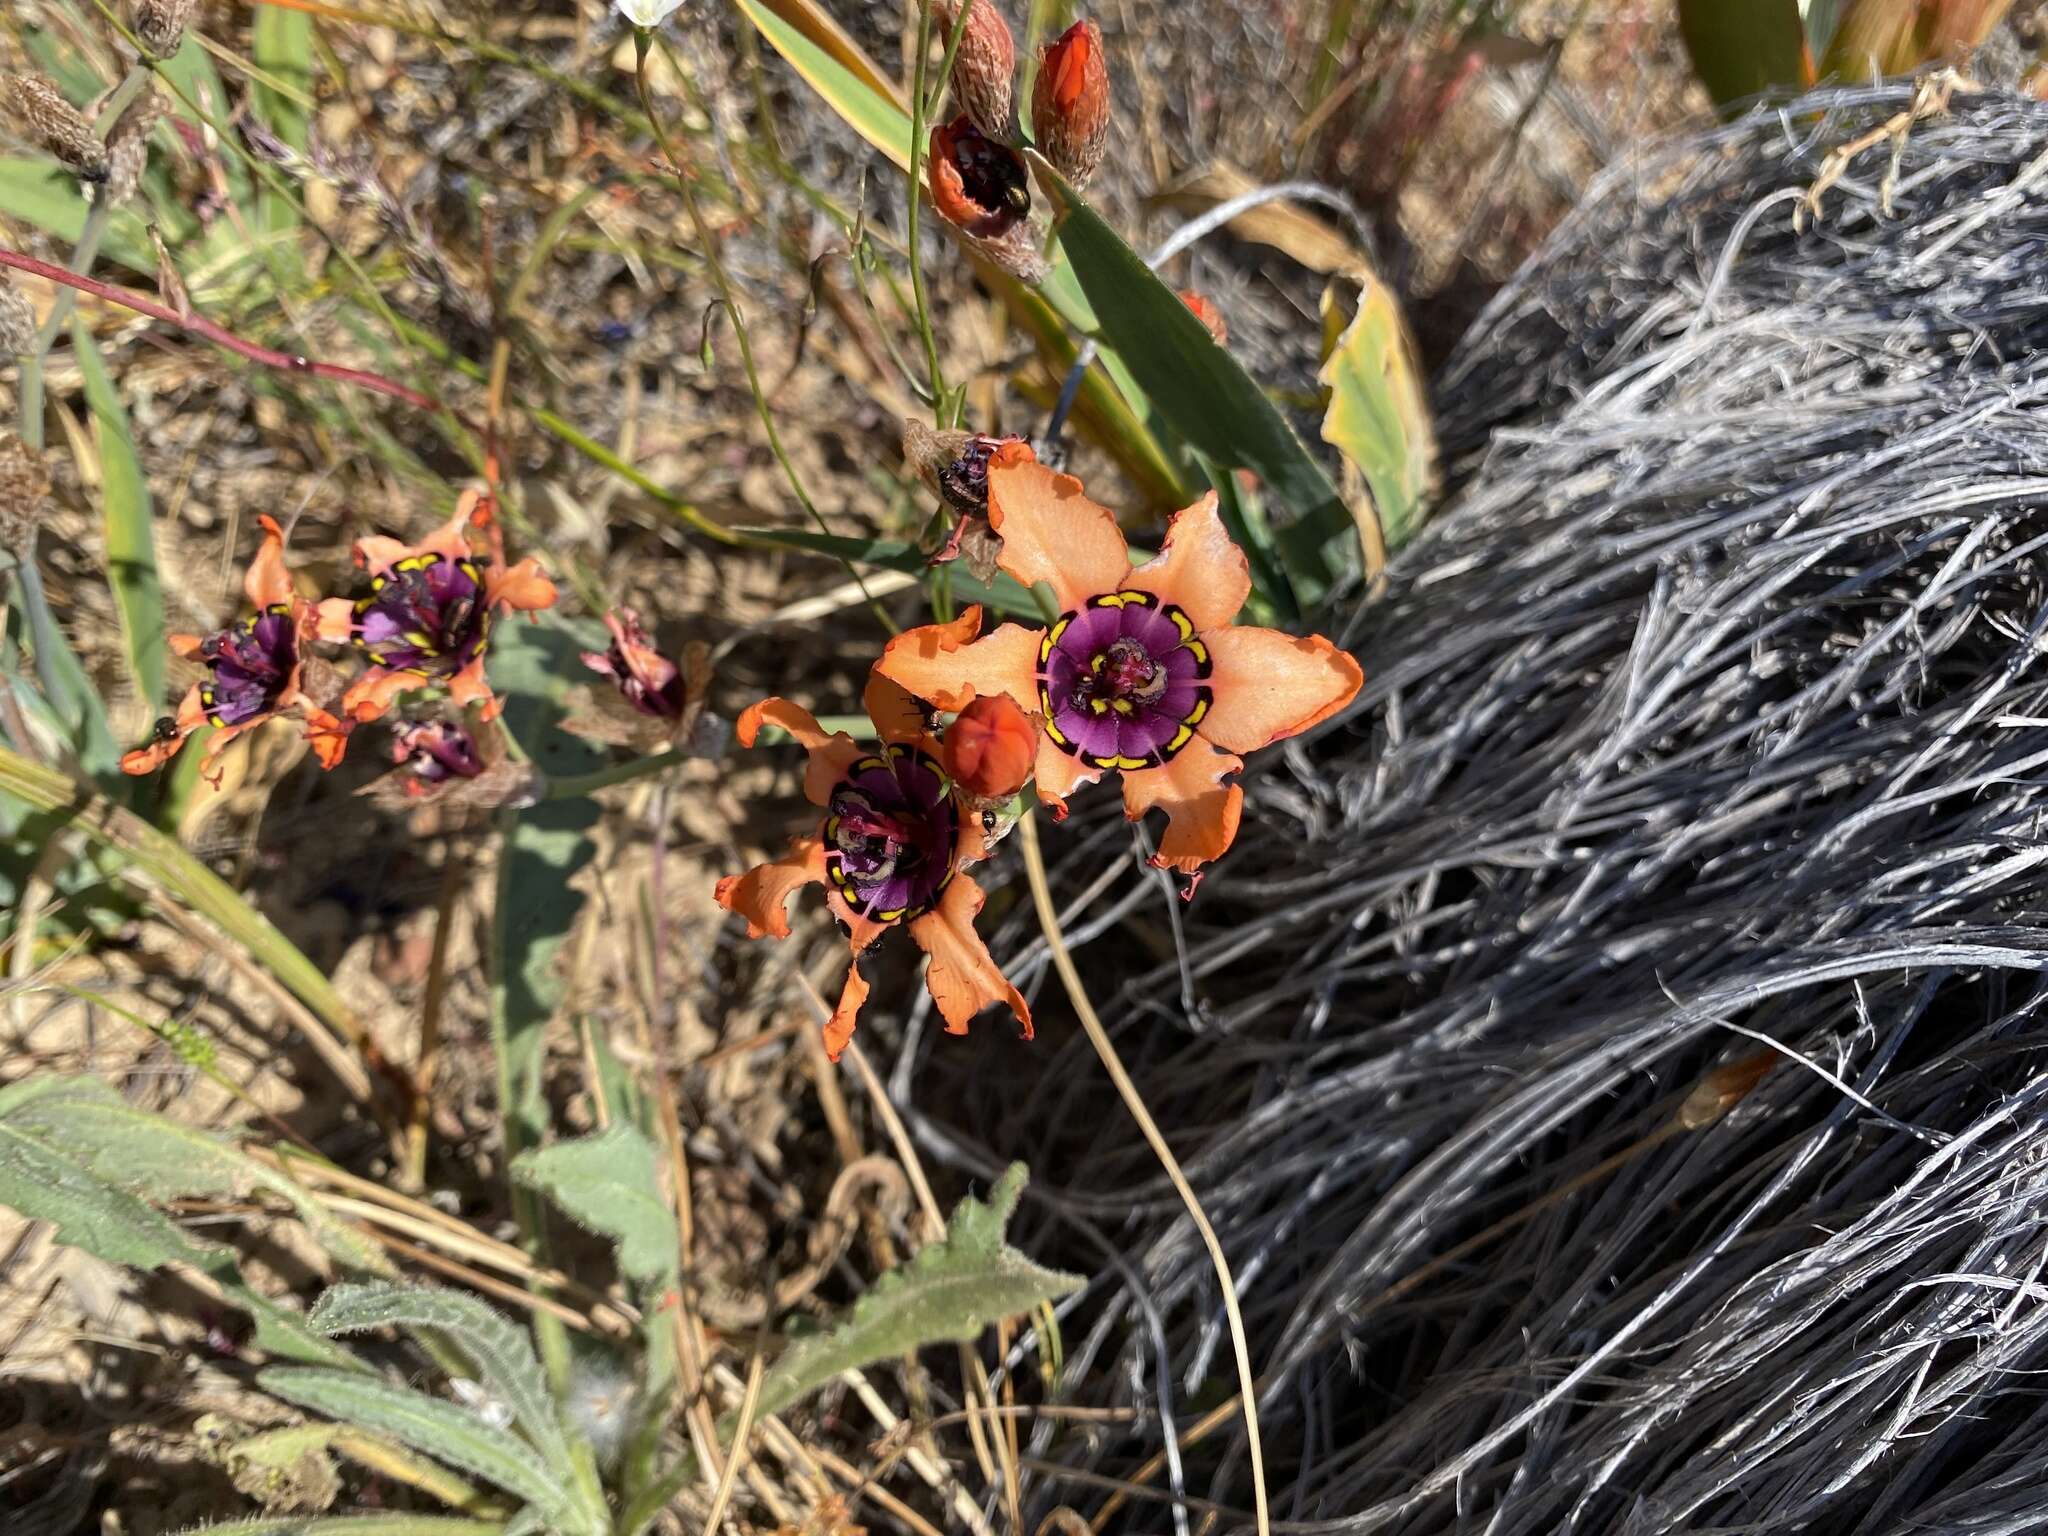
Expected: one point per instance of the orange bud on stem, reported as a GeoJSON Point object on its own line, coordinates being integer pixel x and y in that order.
{"type": "Point", "coordinates": [1070, 102]}
{"type": "Point", "coordinates": [990, 748]}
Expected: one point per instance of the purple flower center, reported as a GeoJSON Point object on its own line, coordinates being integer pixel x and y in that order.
{"type": "Point", "coordinates": [427, 614]}
{"type": "Point", "coordinates": [1123, 681]}
{"type": "Point", "coordinates": [252, 663]}
{"type": "Point", "coordinates": [891, 832]}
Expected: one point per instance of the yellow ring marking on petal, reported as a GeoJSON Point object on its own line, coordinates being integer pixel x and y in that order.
{"type": "Point", "coordinates": [1196, 649]}
{"type": "Point", "coordinates": [1201, 708]}
{"type": "Point", "coordinates": [1181, 738]}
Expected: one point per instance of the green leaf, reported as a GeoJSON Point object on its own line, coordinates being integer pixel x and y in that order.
{"type": "Point", "coordinates": [36, 191]}
{"type": "Point", "coordinates": [609, 1184]}
{"type": "Point", "coordinates": [67, 690]}
{"type": "Point", "coordinates": [1003, 595]}
{"type": "Point", "coordinates": [1195, 384]}
{"type": "Point", "coordinates": [131, 541]}
{"type": "Point", "coordinates": [56, 1181]}
{"type": "Point", "coordinates": [1379, 417]}
{"type": "Point", "coordinates": [832, 64]}
{"type": "Point", "coordinates": [1741, 48]}
{"type": "Point", "coordinates": [948, 1293]}
{"type": "Point", "coordinates": [501, 1354]}
{"type": "Point", "coordinates": [442, 1430]}
{"type": "Point", "coordinates": [349, 1525]}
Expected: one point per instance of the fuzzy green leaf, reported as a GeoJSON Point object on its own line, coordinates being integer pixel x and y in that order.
{"type": "Point", "coordinates": [948, 1293]}
{"type": "Point", "coordinates": [609, 1184]}
{"type": "Point", "coordinates": [442, 1430]}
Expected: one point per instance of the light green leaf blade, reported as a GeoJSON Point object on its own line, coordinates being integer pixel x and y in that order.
{"type": "Point", "coordinates": [66, 690]}
{"type": "Point", "coordinates": [37, 191]}
{"type": "Point", "coordinates": [948, 1293]}
{"type": "Point", "coordinates": [833, 65]}
{"type": "Point", "coordinates": [609, 1184]}
{"type": "Point", "coordinates": [129, 516]}
{"type": "Point", "coordinates": [1195, 384]}
{"type": "Point", "coordinates": [1741, 48]}
{"type": "Point", "coordinates": [1379, 417]}
{"type": "Point", "coordinates": [442, 1430]}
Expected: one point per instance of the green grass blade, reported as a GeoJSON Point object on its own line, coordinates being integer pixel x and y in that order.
{"type": "Point", "coordinates": [1740, 48]}
{"type": "Point", "coordinates": [36, 190]}
{"type": "Point", "coordinates": [67, 692]}
{"type": "Point", "coordinates": [131, 541]}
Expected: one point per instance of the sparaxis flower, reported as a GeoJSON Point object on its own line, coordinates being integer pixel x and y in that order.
{"type": "Point", "coordinates": [254, 669]}
{"type": "Point", "coordinates": [428, 616]}
{"type": "Point", "coordinates": [889, 852]}
{"type": "Point", "coordinates": [1143, 672]}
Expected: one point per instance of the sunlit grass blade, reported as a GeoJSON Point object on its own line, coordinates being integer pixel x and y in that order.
{"type": "Point", "coordinates": [128, 514]}
{"type": "Point", "coordinates": [1378, 416]}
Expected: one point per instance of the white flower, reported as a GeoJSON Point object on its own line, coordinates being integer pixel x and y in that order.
{"type": "Point", "coordinates": [647, 13]}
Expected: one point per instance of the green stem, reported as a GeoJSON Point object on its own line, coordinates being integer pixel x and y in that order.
{"type": "Point", "coordinates": [916, 179]}
{"type": "Point", "coordinates": [576, 786]}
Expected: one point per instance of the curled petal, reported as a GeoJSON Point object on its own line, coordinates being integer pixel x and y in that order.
{"type": "Point", "coordinates": [1269, 686]}
{"type": "Point", "coordinates": [335, 619]}
{"type": "Point", "coordinates": [761, 895]}
{"type": "Point", "coordinates": [1201, 811]}
{"type": "Point", "coordinates": [370, 695]}
{"type": "Point", "coordinates": [328, 736]}
{"type": "Point", "coordinates": [946, 666]}
{"type": "Point", "coordinates": [1053, 533]}
{"type": "Point", "coordinates": [378, 552]}
{"type": "Point", "coordinates": [897, 716]}
{"type": "Point", "coordinates": [963, 976]}
{"type": "Point", "coordinates": [1200, 570]}
{"type": "Point", "coordinates": [831, 756]}
{"type": "Point", "coordinates": [468, 685]}
{"type": "Point", "coordinates": [186, 647]}
{"type": "Point", "coordinates": [170, 733]}
{"type": "Point", "coordinates": [839, 1028]}
{"type": "Point", "coordinates": [521, 587]}
{"type": "Point", "coordinates": [267, 582]}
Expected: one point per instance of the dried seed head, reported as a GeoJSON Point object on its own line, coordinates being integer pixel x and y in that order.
{"type": "Point", "coordinates": [24, 488]}
{"type": "Point", "coordinates": [128, 145]}
{"type": "Point", "coordinates": [160, 25]}
{"type": "Point", "coordinates": [1070, 102]}
{"type": "Point", "coordinates": [17, 321]}
{"type": "Point", "coordinates": [985, 68]}
{"type": "Point", "coordinates": [43, 115]}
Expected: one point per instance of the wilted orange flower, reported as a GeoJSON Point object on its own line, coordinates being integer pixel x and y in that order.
{"type": "Point", "coordinates": [1070, 102]}
{"type": "Point", "coordinates": [977, 182]}
{"type": "Point", "coordinates": [254, 670]}
{"type": "Point", "coordinates": [1143, 671]}
{"type": "Point", "coordinates": [428, 617]}
{"type": "Point", "coordinates": [890, 850]}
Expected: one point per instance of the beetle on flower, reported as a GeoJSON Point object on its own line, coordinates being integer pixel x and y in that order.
{"type": "Point", "coordinates": [889, 851]}
{"type": "Point", "coordinates": [254, 672]}
{"type": "Point", "coordinates": [427, 619]}
{"type": "Point", "coordinates": [1142, 673]}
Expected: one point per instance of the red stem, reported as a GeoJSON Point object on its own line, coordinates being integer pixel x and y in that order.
{"type": "Point", "coordinates": [199, 325]}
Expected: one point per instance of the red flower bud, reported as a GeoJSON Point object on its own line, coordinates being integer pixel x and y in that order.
{"type": "Point", "coordinates": [1070, 103]}
{"type": "Point", "coordinates": [977, 182]}
{"type": "Point", "coordinates": [985, 68]}
{"type": "Point", "coordinates": [990, 748]}
{"type": "Point", "coordinates": [1206, 312]}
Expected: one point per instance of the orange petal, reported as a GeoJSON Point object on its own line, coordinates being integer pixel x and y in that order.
{"type": "Point", "coordinates": [469, 686]}
{"type": "Point", "coordinates": [831, 756]}
{"type": "Point", "coordinates": [149, 758]}
{"type": "Point", "coordinates": [963, 976]}
{"type": "Point", "coordinates": [328, 736]}
{"type": "Point", "coordinates": [452, 537]}
{"type": "Point", "coordinates": [839, 1028]}
{"type": "Point", "coordinates": [336, 620]}
{"type": "Point", "coordinates": [1200, 569]}
{"type": "Point", "coordinates": [1057, 775]}
{"type": "Point", "coordinates": [1269, 686]}
{"type": "Point", "coordinates": [761, 895]}
{"type": "Point", "coordinates": [379, 552]}
{"type": "Point", "coordinates": [1201, 811]}
{"type": "Point", "coordinates": [990, 749]}
{"type": "Point", "coordinates": [267, 582]}
{"type": "Point", "coordinates": [897, 716]}
{"type": "Point", "coordinates": [374, 692]}
{"type": "Point", "coordinates": [186, 646]}
{"type": "Point", "coordinates": [521, 587]}
{"type": "Point", "coordinates": [1053, 533]}
{"type": "Point", "coordinates": [938, 664]}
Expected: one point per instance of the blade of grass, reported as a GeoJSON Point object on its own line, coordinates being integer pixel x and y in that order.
{"type": "Point", "coordinates": [128, 512]}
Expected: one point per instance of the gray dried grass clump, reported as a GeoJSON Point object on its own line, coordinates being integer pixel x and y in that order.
{"type": "Point", "coordinates": [1705, 715]}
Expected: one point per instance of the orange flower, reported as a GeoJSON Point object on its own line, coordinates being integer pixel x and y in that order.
{"type": "Point", "coordinates": [990, 748]}
{"type": "Point", "coordinates": [1142, 673]}
{"type": "Point", "coordinates": [428, 617]}
{"type": "Point", "coordinates": [254, 671]}
{"type": "Point", "coordinates": [889, 851]}
{"type": "Point", "coordinates": [1070, 102]}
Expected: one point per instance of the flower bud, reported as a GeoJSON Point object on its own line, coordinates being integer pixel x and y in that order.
{"type": "Point", "coordinates": [1070, 102]}
{"type": "Point", "coordinates": [160, 25]}
{"type": "Point", "coordinates": [43, 115]}
{"type": "Point", "coordinates": [985, 68]}
{"type": "Point", "coordinates": [990, 748]}
{"type": "Point", "coordinates": [17, 321]}
{"type": "Point", "coordinates": [1206, 312]}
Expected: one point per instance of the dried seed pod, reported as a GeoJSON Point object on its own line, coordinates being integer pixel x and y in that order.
{"type": "Point", "coordinates": [128, 145]}
{"type": "Point", "coordinates": [24, 488]}
{"type": "Point", "coordinates": [17, 320]}
{"type": "Point", "coordinates": [1070, 102]}
{"type": "Point", "coordinates": [985, 68]}
{"type": "Point", "coordinates": [43, 115]}
{"type": "Point", "coordinates": [160, 25]}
